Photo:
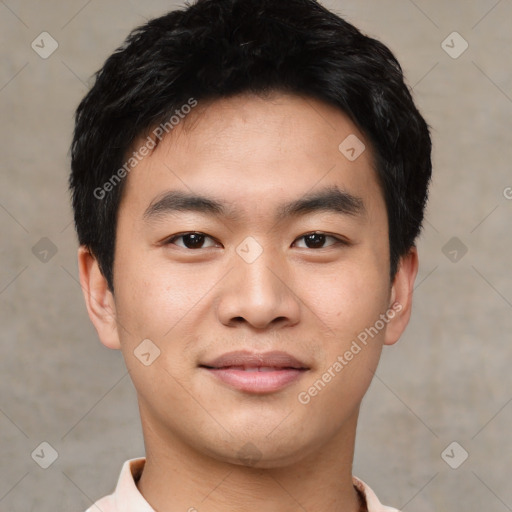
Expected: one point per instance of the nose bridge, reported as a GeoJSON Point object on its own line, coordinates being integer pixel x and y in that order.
{"type": "Point", "coordinates": [256, 289]}
{"type": "Point", "coordinates": [260, 274]}
{"type": "Point", "coordinates": [256, 264]}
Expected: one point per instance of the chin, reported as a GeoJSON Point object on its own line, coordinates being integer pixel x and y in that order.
{"type": "Point", "coordinates": [261, 452]}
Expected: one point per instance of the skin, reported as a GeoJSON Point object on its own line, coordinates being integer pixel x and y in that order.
{"type": "Point", "coordinates": [197, 303]}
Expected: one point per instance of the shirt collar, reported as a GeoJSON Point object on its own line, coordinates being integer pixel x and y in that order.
{"type": "Point", "coordinates": [127, 496]}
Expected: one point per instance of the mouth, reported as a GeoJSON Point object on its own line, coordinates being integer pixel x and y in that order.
{"type": "Point", "coordinates": [253, 368]}
{"type": "Point", "coordinates": [256, 373]}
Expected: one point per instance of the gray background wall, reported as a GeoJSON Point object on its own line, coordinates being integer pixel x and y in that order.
{"type": "Point", "coordinates": [447, 380]}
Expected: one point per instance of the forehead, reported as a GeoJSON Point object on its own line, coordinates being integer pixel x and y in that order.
{"type": "Point", "coordinates": [255, 152]}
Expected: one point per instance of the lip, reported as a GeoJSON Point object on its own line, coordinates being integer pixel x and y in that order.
{"type": "Point", "coordinates": [275, 359]}
{"type": "Point", "coordinates": [256, 372]}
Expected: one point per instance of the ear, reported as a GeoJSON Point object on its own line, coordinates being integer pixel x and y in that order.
{"type": "Point", "coordinates": [98, 299]}
{"type": "Point", "coordinates": [401, 296]}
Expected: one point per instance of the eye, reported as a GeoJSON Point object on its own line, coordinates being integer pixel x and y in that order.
{"type": "Point", "coordinates": [191, 240]}
{"type": "Point", "coordinates": [316, 240]}
{"type": "Point", "coordinates": [196, 240]}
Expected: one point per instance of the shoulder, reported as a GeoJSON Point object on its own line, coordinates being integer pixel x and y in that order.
{"type": "Point", "coordinates": [105, 504]}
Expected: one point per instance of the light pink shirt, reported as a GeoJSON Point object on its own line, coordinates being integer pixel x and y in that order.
{"type": "Point", "coordinates": [127, 498]}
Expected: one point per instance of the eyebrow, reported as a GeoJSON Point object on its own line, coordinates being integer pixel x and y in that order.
{"type": "Point", "coordinates": [329, 199]}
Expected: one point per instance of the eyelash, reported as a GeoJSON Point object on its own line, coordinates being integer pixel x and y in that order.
{"type": "Point", "coordinates": [338, 241]}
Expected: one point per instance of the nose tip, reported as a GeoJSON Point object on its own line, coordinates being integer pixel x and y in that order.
{"type": "Point", "coordinates": [255, 293]}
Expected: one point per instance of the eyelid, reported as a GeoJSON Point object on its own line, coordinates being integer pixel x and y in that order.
{"type": "Point", "coordinates": [339, 240]}
{"type": "Point", "coordinates": [170, 240]}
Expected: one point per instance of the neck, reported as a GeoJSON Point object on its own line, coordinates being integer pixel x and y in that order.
{"type": "Point", "coordinates": [178, 476]}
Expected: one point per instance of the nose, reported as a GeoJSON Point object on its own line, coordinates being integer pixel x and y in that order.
{"type": "Point", "coordinates": [258, 293]}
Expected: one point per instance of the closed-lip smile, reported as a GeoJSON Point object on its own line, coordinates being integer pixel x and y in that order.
{"type": "Point", "coordinates": [246, 359]}
{"type": "Point", "coordinates": [257, 373]}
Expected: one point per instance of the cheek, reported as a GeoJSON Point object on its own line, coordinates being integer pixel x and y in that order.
{"type": "Point", "coordinates": [348, 298]}
{"type": "Point", "coordinates": [154, 298]}
{"type": "Point", "coordinates": [351, 306]}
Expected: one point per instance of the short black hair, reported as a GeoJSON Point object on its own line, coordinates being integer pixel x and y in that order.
{"type": "Point", "coordinates": [213, 49]}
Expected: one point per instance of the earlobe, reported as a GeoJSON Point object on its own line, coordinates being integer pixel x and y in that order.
{"type": "Point", "coordinates": [98, 299]}
{"type": "Point", "coordinates": [400, 305]}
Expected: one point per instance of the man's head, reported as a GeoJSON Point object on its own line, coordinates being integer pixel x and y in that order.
{"type": "Point", "coordinates": [275, 176]}
{"type": "Point", "coordinates": [217, 49]}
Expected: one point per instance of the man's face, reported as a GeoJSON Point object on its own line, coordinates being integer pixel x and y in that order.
{"type": "Point", "coordinates": [252, 280]}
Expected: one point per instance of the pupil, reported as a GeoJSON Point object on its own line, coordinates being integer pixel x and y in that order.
{"type": "Point", "coordinates": [311, 237]}
{"type": "Point", "coordinates": [196, 240]}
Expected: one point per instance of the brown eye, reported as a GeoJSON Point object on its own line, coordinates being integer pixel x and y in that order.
{"type": "Point", "coordinates": [317, 240]}
{"type": "Point", "coordinates": [192, 240]}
